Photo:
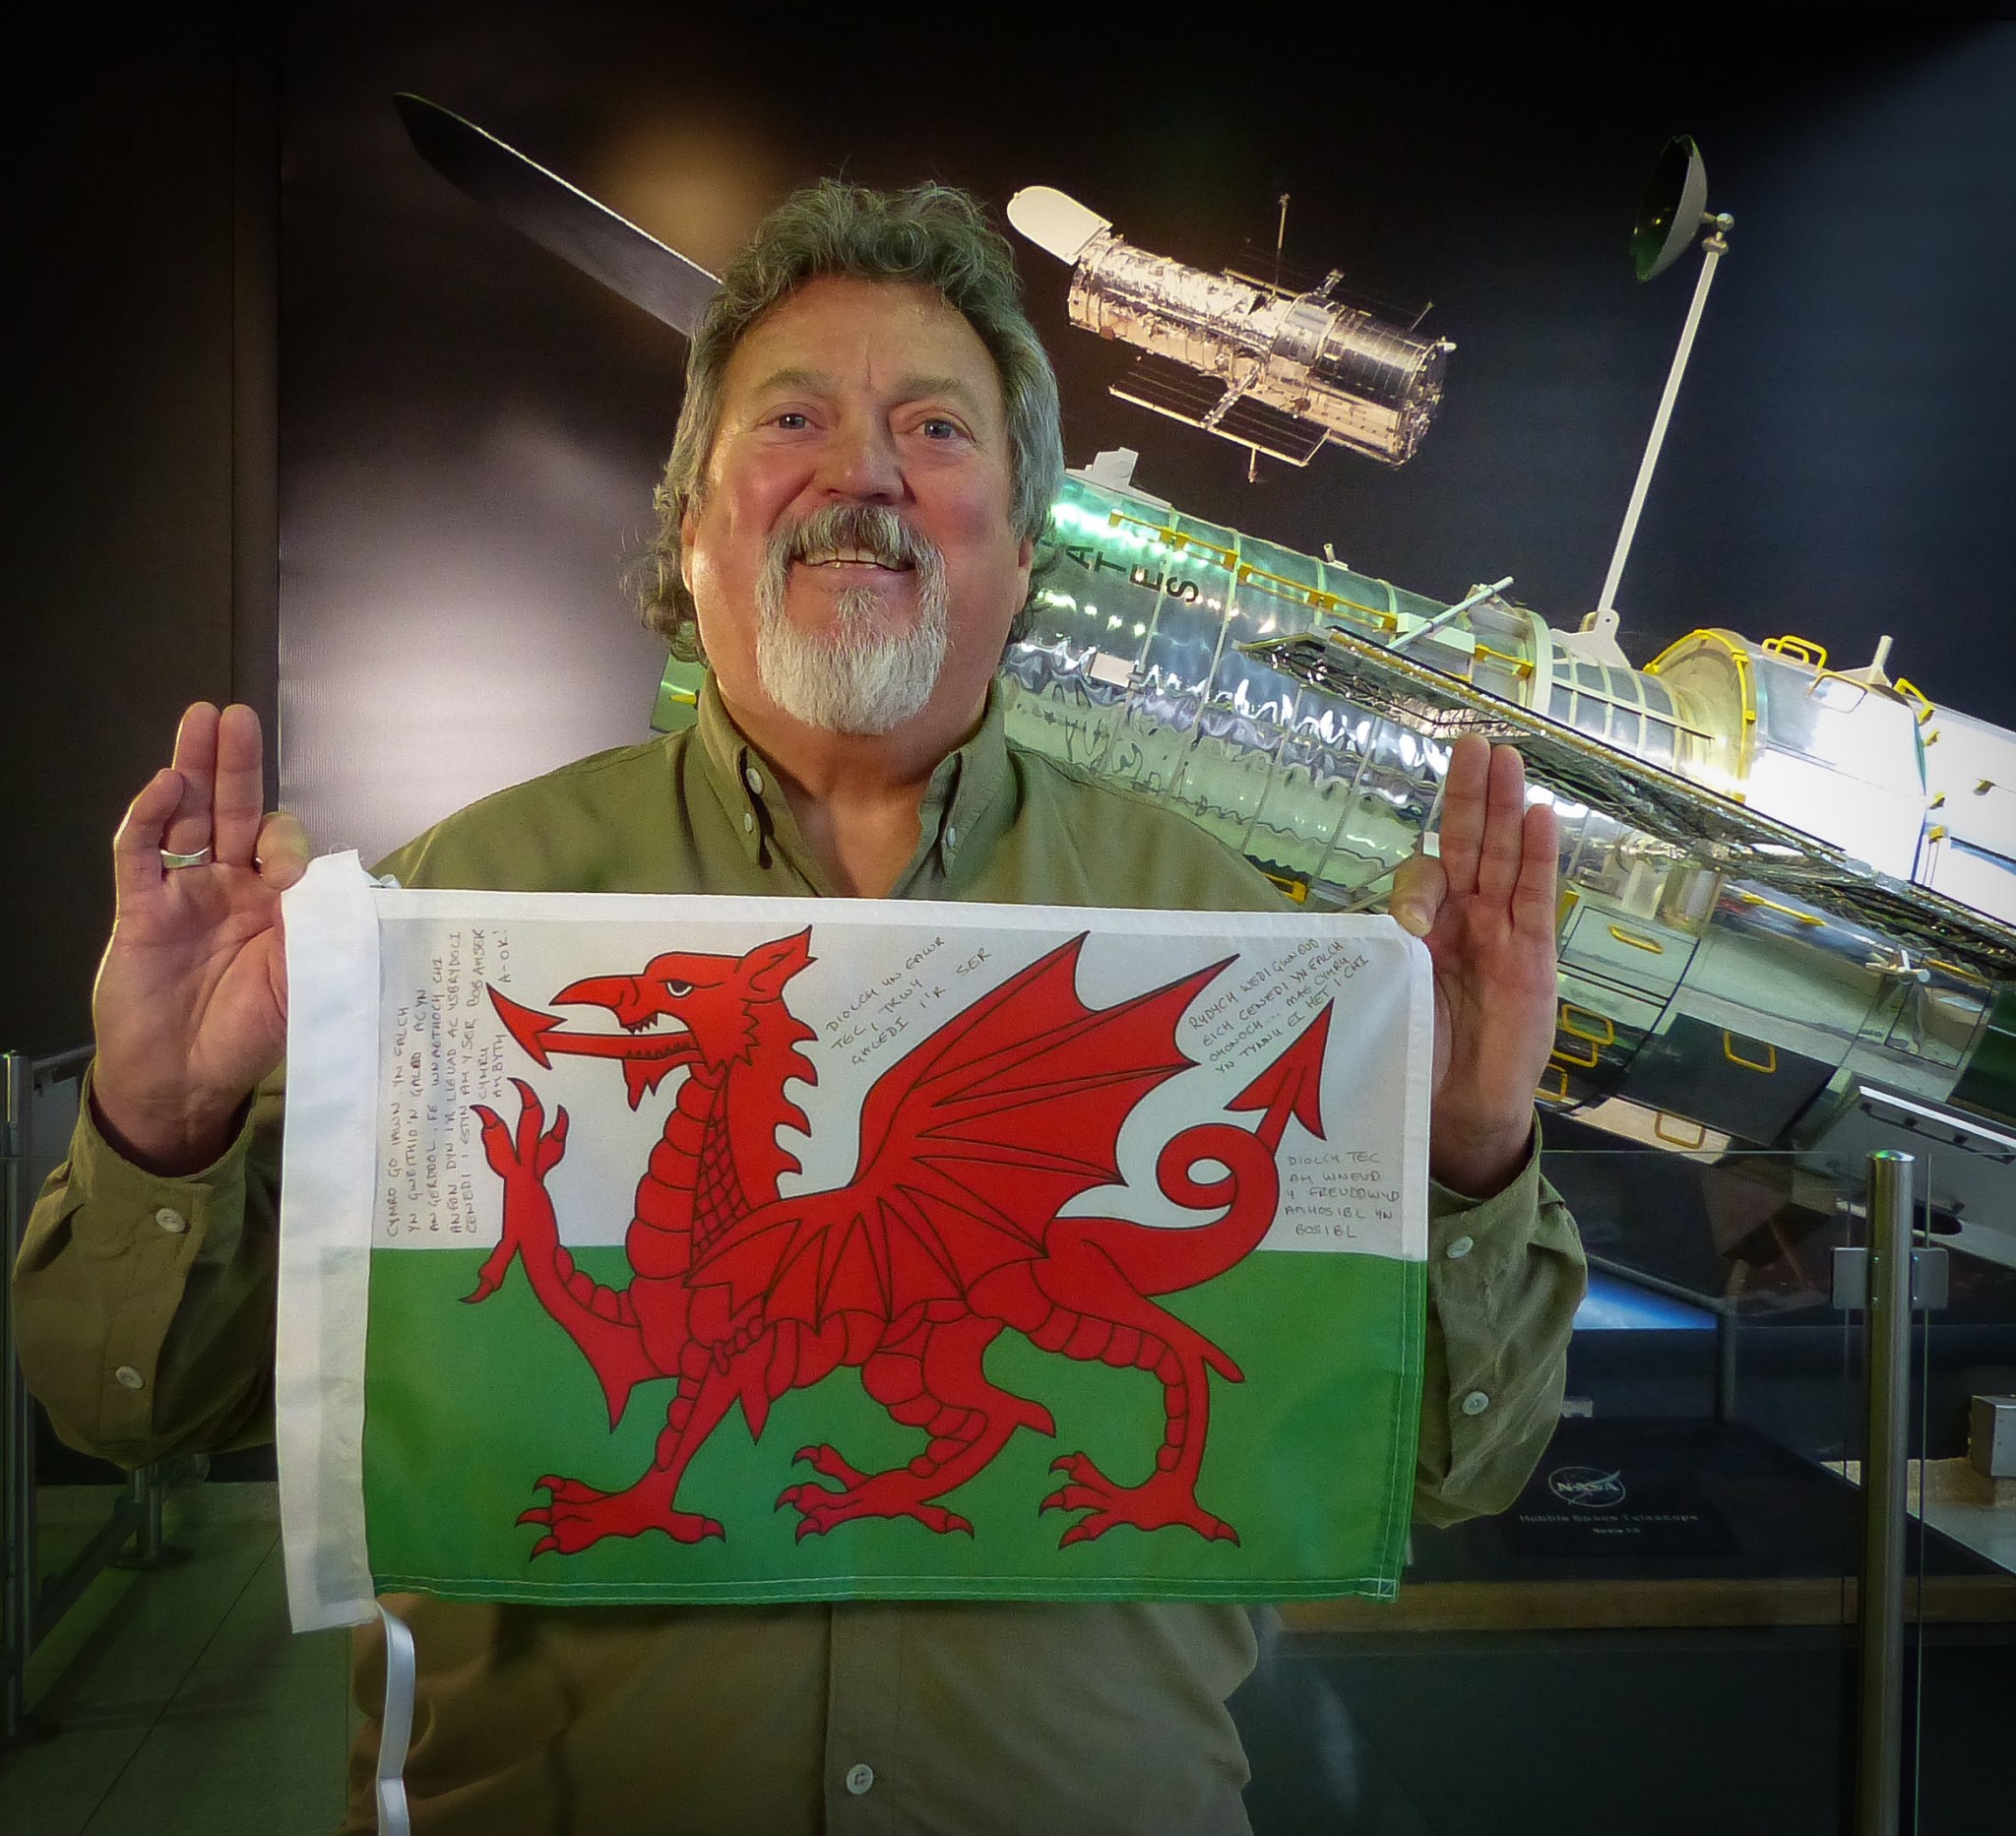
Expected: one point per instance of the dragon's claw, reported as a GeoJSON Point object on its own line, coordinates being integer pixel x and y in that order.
{"type": "Point", "coordinates": [830, 1463]}
{"type": "Point", "coordinates": [895, 1493]}
{"type": "Point", "coordinates": [531, 1148]}
{"type": "Point", "coordinates": [579, 1516]}
{"type": "Point", "coordinates": [1163, 1501]}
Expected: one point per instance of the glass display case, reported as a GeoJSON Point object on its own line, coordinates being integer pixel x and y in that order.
{"type": "Point", "coordinates": [1661, 1632]}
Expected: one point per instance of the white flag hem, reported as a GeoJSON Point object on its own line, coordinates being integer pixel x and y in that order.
{"type": "Point", "coordinates": [1421, 1097]}
{"type": "Point", "coordinates": [332, 934]}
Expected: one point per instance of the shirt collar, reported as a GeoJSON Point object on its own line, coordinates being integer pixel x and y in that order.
{"type": "Point", "coordinates": [965, 784]}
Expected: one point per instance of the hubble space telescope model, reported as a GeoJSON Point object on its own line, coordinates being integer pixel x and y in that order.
{"type": "Point", "coordinates": [1277, 373]}
{"type": "Point", "coordinates": [1787, 913]}
{"type": "Point", "coordinates": [1788, 888]}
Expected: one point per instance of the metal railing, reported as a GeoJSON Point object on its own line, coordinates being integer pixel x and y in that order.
{"type": "Point", "coordinates": [1886, 1460]}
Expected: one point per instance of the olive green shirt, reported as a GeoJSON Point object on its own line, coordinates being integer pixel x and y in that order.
{"type": "Point", "coordinates": [146, 1311]}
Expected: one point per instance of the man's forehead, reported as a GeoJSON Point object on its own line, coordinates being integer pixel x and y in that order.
{"type": "Point", "coordinates": [911, 386]}
{"type": "Point", "coordinates": [821, 335]}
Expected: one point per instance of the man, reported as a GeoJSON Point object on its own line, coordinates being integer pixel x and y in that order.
{"type": "Point", "coordinates": [864, 457]}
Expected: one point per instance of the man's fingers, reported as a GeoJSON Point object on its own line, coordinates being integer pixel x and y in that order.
{"type": "Point", "coordinates": [281, 850]}
{"type": "Point", "coordinates": [1419, 885]}
{"type": "Point", "coordinates": [188, 828]}
{"type": "Point", "coordinates": [1464, 796]}
{"type": "Point", "coordinates": [137, 847]}
{"type": "Point", "coordinates": [239, 799]}
{"type": "Point", "coordinates": [1534, 898]}
{"type": "Point", "coordinates": [1502, 845]}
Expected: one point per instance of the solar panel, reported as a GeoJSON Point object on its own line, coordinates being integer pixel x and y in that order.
{"type": "Point", "coordinates": [1169, 388]}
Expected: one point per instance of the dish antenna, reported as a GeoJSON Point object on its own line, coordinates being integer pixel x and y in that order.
{"type": "Point", "coordinates": [1674, 209]}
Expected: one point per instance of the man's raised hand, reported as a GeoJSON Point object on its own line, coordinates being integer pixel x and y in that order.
{"type": "Point", "coordinates": [190, 1007]}
{"type": "Point", "coordinates": [1487, 912]}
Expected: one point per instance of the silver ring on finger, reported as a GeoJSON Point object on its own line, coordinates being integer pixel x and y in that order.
{"type": "Point", "coordinates": [170, 860]}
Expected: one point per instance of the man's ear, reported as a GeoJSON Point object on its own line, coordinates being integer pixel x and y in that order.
{"type": "Point", "coordinates": [687, 525]}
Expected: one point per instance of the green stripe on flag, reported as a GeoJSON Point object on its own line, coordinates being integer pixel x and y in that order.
{"type": "Point", "coordinates": [1310, 1459]}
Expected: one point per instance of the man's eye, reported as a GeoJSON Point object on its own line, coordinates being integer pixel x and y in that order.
{"type": "Point", "coordinates": [792, 420]}
{"type": "Point", "coordinates": [938, 427]}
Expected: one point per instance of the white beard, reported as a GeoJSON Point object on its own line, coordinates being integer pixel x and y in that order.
{"type": "Point", "coordinates": [861, 677]}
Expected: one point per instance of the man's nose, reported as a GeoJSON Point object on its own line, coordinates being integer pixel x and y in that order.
{"type": "Point", "coordinates": [860, 460]}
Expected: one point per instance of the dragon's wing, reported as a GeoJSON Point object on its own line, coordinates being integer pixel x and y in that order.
{"type": "Point", "coordinates": [971, 1143]}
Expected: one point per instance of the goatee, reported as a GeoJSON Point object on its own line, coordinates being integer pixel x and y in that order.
{"type": "Point", "coordinates": [860, 676]}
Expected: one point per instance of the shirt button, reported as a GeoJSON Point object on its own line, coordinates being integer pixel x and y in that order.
{"type": "Point", "coordinates": [1475, 1403]}
{"type": "Point", "coordinates": [754, 780]}
{"type": "Point", "coordinates": [172, 1220]}
{"type": "Point", "coordinates": [748, 821]}
{"type": "Point", "coordinates": [1461, 1246]}
{"type": "Point", "coordinates": [128, 1377]}
{"type": "Point", "coordinates": [951, 836]}
{"type": "Point", "coordinates": [859, 1778]}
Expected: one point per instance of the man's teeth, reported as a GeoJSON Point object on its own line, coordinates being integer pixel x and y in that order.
{"type": "Point", "coordinates": [848, 557]}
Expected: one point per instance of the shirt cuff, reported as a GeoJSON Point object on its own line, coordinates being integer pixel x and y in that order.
{"type": "Point", "coordinates": [1505, 1277]}
{"type": "Point", "coordinates": [145, 1233]}
{"type": "Point", "coordinates": [1497, 1228]}
{"type": "Point", "coordinates": [120, 1200]}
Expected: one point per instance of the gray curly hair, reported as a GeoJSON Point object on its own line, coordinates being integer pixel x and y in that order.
{"type": "Point", "coordinates": [930, 234]}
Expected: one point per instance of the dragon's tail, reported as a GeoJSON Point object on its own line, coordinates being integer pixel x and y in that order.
{"type": "Point", "coordinates": [1162, 1261]}
{"type": "Point", "coordinates": [1292, 1084]}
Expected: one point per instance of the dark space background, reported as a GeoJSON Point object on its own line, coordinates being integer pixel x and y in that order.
{"type": "Point", "coordinates": [463, 433]}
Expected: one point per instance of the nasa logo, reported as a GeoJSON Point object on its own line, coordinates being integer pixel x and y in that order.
{"type": "Point", "coordinates": [1587, 1487]}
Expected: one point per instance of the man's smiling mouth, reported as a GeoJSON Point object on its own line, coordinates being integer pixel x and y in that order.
{"type": "Point", "coordinates": [851, 557]}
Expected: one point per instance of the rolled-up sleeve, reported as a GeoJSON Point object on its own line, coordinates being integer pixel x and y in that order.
{"type": "Point", "coordinates": [1505, 1276]}
{"type": "Point", "coordinates": [143, 1305]}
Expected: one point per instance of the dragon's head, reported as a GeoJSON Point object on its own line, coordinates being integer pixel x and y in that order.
{"type": "Point", "coordinates": [684, 1010]}
{"type": "Point", "coordinates": [717, 1002]}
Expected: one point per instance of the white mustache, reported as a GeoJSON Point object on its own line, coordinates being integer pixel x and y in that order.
{"type": "Point", "coordinates": [870, 534]}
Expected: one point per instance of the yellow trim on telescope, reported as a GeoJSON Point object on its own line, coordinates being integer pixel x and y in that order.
{"type": "Point", "coordinates": [1730, 1052]}
{"type": "Point", "coordinates": [1799, 650]}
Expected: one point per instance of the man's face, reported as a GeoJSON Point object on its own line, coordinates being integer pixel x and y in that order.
{"type": "Point", "coordinates": [866, 417]}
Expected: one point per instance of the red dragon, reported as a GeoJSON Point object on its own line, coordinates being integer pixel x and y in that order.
{"type": "Point", "coordinates": [971, 1144]}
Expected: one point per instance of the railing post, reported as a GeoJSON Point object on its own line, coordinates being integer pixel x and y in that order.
{"type": "Point", "coordinates": [1879, 1766]}
{"type": "Point", "coordinates": [147, 1540]}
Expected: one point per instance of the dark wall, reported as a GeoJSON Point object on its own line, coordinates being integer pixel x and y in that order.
{"type": "Point", "coordinates": [138, 332]}
{"type": "Point", "coordinates": [472, 429]}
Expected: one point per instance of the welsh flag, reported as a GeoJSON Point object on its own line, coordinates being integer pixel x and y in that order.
{"type": "Point", "coordinates": [680, 1249]}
